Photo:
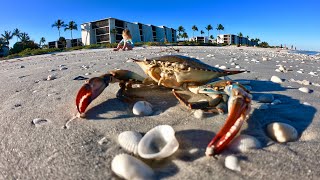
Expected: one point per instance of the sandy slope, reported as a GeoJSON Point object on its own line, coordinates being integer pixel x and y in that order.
{"type": "Point", "coordinates": [51, 152]}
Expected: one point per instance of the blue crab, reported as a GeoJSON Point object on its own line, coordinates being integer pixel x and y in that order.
{"type": "Point", "coordinates": [182, 73]}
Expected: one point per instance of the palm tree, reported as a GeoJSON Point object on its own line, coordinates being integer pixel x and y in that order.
{"type": "Point", "coordinates": [194, 28]}
{"type": "Point", "coordinates": [59, 24]}
{"type": "Point", "coordinates": [24, 37]}
{"type": "Point", "coordinates": [86, 28]}
{"type": "Point", "coordinates": [184, 35]}
{"type": "Point", "coordinates": [180, 29]}
{"type": "Point", "coordinates": [114, 32]}
{"type": "Point", "coordinates": [16, 32]}
{"type": "Point", "coordinates": [247, 40]}
{"type": "Point", "coordinates": [240, 37]}
{"type": "Point", "coordinates": [201, 32]}
{"type": "Point", "coordinates": [2, 43]}
{"type": "Point", "coordinates": [42, 40]}
{"type": "Point", "coordinates": [7, 36]}
{"type": "Point", "coordinates": [209, 28]}
{"type": "Point", "coordinates": [219, 28]}
{"type": "Point", "coordinates": [71, 26]}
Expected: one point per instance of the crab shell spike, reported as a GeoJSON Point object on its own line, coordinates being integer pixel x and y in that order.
{"type": "Point", "coordinates": [239, 108]}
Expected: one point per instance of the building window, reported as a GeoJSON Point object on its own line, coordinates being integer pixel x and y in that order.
{"type": "Point", "coordinates": [99, 24]}
{"type": "Point", "coordinates": [118, 38]}
{"type": "Point", "coordinates": [119, 23]}
{"type": "Point", "coordinates": [103, 38]}
{"type": "Point", "coordinates": [103, 30]}
{"type": "Point", "coordinates": [119, 30]}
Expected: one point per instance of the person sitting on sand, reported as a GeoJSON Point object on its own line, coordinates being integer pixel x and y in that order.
{"type": "Point", "coordinates": [126, 42]}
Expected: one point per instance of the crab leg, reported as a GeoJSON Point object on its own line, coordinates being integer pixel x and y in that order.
{"type": "Point", "coordinates": [94, 86]}
{"type": "Point", "coordinates": [239, 108]}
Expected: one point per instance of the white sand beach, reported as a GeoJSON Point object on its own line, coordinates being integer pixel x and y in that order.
{"type": "Point", "coordinates": [84, 148]}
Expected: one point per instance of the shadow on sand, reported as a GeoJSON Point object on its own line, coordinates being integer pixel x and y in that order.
{"type": "Point", "coordinates": [290, 111]}
{"type": "Point", "coordinates": [161, 99]}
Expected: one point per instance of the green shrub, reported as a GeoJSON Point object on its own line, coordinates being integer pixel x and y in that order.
{"type": "Point", "coordinates": [32, 52]}
{"type": "Point", "coordinates": [21, 46]}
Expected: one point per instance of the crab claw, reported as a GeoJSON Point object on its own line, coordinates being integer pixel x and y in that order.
{"type": "Point", "coordinates": [239, 106]}
{"type": "Point", "coordinates": [90, 90]}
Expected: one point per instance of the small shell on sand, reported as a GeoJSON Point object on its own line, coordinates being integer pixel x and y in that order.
{"type": "Point", "coordinates": [39, 122]}
{"type": "Point", "coordinates": [129, 167]}
{"type": "Point", "coordinates": [244, 82]}
{"type": "Point", "coordinates": [266, 98]}
{"type": "Point", "coordinates": [276, 101]}
{"type": "Point", "coordinates": [244, 143]}
{"type": "Point", "coordinates": [282, 132]}
{"type": "Point", "coordinates": [305, 90]}
{"type": "Point", "coordinates": [129, 141]}
{"type": "Point", "coordinates": [199, 114]}
{"type": "Point", "coordinates": [232, 162]}
{"type": "Point", "coordinates": [264, 106]}
{"type": "Point", "coordinates": [276, 79]}
{"type": "Point", "coordinates": [51, 77]}
{"type": "Point", "coordinates": [142, 108]}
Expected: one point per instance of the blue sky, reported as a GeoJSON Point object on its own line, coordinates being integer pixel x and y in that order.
{"type": "Point", "coordinates": [290, 22]}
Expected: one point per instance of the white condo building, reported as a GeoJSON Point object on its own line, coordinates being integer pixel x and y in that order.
{"type": "Point", "coordinates": [100, 31]}
{"type": "Point", "coordinates": [234, 39]}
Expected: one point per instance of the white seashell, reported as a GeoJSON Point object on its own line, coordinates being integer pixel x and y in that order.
{"type": "Point", "coordinates": [300, 72]}
{"type": "Point", "coordinates": [306, 104]}
{"type": "Point", "coordinates": [313, 73]}
{"type": "Point", "coordinates": [304, 82]}
{"type": "Point", "coordinates": [282, 132]}
{"type": "Point", "coordinates": [237, 67]}
{"type": "Point", "coordinates": [129, 167]}
{"type": "Point", "coordinates": [223, 67]}
{"type": "Point", "coordinates": [158, 143]}
{"type": "Point", "coordinates": [305, 90]}
{"type": "Point", "coordinates": [266, 98]}
{"type": "Point", "coordinates": [277, 70]}
{"type": "Point", "coordinates": [282, 68]}
{"type": "Point", "coordinates": [199, 113]}
{"type": "Point", "coordinates": [51, 77]}
{"type": "Point", "coordinates": [276, 79]}
{"type": "Point", "coordinates": [244, 82]}
{"type": "Point", "coordinates": [129, 141]}
{"type": "Point", "coordinates": [244, 143]}
{"type": "Point", "coordinates": [275, 102]}
{"type": "Point", "coordinates": [40, 122]}
{"type": "Point", "coordinates": [232, 162]}
{"type": "Point", "coordinates": [263, 106]}
{"type": "Point", "coordinates": [142, 108]}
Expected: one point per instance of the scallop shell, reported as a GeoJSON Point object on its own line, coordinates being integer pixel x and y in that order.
{"type": "Point", "coordinates": [282, 132]}
{"type": "Point", "coordinates": [129, 167]}
{"type": "Point", "coordinates": [276, 79]}
{"type": "Point", "coordinates": [129, 141]}
{"type": "Point", "coordinates": [305, 90]}
{"type": "Point", "coordinates": [199, 113]}
{"type": "Point", "coordinates": [142, 108]}
{"type": "Point", "coordinates": [244, 143]}
{"type": "Point", "coordinates": [158, 143]}
{"type": "Point", "coordinates": [232, 162]}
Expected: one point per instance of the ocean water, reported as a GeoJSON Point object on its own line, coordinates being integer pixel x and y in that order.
{"type": "Point", "coordinates": [305, 52]}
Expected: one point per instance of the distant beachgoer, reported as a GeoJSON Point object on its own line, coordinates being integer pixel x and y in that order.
{"type": "Point", "coordinates": [126, 42]}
